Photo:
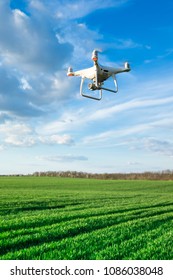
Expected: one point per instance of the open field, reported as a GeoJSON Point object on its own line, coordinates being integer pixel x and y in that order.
{"type": "Point", "coordinates": [63, 218]}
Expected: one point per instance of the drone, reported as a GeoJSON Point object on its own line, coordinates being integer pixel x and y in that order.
{"type": "Point", "coordinates": [98, 74]}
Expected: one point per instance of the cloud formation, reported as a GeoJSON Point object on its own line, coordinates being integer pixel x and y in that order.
{"type": "Point", "coordinates": [29, 43]}
{"type": "Point", "coordinates": [77, 9]}
{"type": "Point", "coordinates": [22, 134]}
{"type": "Point", "coordinates": [63, 158]}
{"type": "Point", "coordinates": [31, 62]}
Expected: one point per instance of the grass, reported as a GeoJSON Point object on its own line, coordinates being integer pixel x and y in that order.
{"type": "Point", "coordinates": [61, 218]}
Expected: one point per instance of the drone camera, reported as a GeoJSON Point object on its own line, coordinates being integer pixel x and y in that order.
{"type": "Point", "coordinates": [92, 86]}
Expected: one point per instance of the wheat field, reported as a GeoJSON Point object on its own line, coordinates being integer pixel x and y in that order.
{"type": "Point", "coordinates": [47, 218]}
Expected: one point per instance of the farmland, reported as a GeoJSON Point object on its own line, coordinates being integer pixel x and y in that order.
{"type": "Point", "coordinates": [66, 218]}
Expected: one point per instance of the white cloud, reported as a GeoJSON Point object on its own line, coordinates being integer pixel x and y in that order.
{"type": "Point", "coordinates": [121, 44]}
{"type": "Point", "coordinates": [17, 128]}
{"type": "Point", "coordinates": [63, 139]}
{"type": "Point", "coordinates": [130, 105]}
{"type": "Point", "coordinates": [133, 163]}
{"type": "Point", "coordinates": [23, 135]}
{"type": "Point", "coordinates": [63, 158]}
{"type": "Point", "coordinates": [38, 5]}
{"type": "Point", "coordinates": [57, 139]}
{"type": "Point", "coordinates": [66, 9]}
{"type": "Point", "coordinates": [31, 62]}
{"type": "Point", "coordinates": [16, 134]}
{"type": "Point", "coordinates": [109, 137]}
{"type": "Point", "coordinates": [29, 43]}
{"type": "Point", "coordinates": [14, 98]}
{"type": "Point", "coordinates": [76, 119]}
{"type": "Point", "coordinates": [24, 84]}
{"type": "Point", "coordinates": [20, 141]}
{"type": "Point", "coordinates": [77, 9]}
{"type": "Point", "coordinates": [158, 146]}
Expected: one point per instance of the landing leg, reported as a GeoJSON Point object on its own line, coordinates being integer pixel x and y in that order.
{"type": "Point", "coordinates": [115, 83]}
{"type": "Point", "coordinates": [89, 96]}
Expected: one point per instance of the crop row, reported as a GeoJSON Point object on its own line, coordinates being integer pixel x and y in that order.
{"type": "Point", "coordinates": [50, 218]}
{"type": "Point", "coordinates": [89, 238]}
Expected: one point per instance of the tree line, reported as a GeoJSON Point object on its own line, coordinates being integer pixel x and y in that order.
{"type": "Point", "coordinates": [161, 175]}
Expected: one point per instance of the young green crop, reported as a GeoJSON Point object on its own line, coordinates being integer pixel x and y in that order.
{"type": "Point", "coordinates": [63, 218]}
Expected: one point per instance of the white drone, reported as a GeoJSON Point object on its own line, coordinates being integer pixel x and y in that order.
{"type": "Point", "coordinates": [98, 74]}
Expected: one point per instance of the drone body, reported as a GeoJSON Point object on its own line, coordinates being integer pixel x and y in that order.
{"type": "Point", "coordinates": [98, 74]}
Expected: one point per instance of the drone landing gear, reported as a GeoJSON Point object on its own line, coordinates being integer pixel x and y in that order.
{"type": "Point", "coordinates": [96, 87]}
{"type": "Point", "coordinates": [91, 87]}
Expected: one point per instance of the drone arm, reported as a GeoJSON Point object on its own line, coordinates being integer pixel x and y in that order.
{"type": "Point", "coordinates": [96, 74]}
{"type": "Point", "coordinates": [80, 73]}
{"type": "Point", "coordinates": [125, 69]}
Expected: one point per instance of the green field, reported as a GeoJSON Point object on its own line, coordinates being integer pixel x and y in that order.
{"type": "Point", "coordinates": [61, 218]}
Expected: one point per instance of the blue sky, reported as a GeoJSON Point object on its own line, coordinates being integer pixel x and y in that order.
{"type": "Point", "coordinates": [46, 125]}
